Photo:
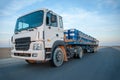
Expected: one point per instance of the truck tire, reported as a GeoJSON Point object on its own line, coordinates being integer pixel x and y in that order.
{"type": "Point", "coordinates": [57, 57]}
{"type": "Point", "coordinates": [31, 61]}
{"type": "Point", "coordinates": [94, 50]}
{"type": "Point", "coordinates": [79, 52]}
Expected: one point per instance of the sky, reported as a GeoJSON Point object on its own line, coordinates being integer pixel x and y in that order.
{"type": "Point", "coordinates": [98, 18]}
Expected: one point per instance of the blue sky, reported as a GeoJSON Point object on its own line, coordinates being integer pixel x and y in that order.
{"type": "Point", "coordinates": [98, 18]}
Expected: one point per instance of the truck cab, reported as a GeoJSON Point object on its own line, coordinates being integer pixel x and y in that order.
{"type": "Point", "coordinates": [35, 34]}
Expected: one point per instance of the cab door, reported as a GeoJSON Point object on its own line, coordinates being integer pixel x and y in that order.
{"type": "Point", "coordinates": [52, 32]}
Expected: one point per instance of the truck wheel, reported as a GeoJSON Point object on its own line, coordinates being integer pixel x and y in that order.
{"type": "Point", "coordinates": [31, 61]}
{"type": "Point", "coordinates": [94, 50]}
{"type": "Point", "coordinates": [57, 57]}
{"type": "Point", "coordinates": [79, 52]}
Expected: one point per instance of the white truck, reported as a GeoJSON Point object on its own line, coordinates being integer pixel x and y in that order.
{"type": "Point", "coordinates": [39, 36]}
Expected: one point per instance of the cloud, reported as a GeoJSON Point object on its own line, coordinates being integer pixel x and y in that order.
{"type": "Point", "coordinates": [14, 6]}
{"type": "Point", "coordinates": [102, 27]}
{"type": "Point", "coordinates": [5, 33]}
{"type": "Point", "coordinates": [111, 4]}
{"type": "Point", "coordinates": [7, 25]}
{"type": "Point", "coordinates": [109, 43]}
{"type": "Point", "coordinates": [81, 18]}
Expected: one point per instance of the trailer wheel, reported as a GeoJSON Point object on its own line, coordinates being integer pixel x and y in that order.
{"type": "Point", "coordinates": [94, 50]}
{"type": "Point", "coordinates": [79, 52]}
{"type": "Point", "coordinates": [31, 61]}
{"type": "Point", "coordinates": [57, 57]}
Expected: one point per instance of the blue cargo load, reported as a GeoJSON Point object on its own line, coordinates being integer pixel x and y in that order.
{"type": "Point", "coordinates": [78, 37]}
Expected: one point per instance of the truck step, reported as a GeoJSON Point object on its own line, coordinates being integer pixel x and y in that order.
{"type": "Point", "coordinates": [48, 52]}
{"type": "Point", "coordinates": [48, 55]}
{"type": "Point", "coordinates": [48, 59]}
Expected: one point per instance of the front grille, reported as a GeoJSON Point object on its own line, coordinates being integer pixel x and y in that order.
{"type": "Point", "coordinates": [22, 43]}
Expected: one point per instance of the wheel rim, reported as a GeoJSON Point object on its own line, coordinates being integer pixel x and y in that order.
{"type": "Point", "coordinates": [81, 54]}
{"type": "Point", "coordinates": [58, 57]}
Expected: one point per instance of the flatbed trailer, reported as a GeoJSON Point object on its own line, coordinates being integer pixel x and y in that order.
{"type": "Point", "coordinates": [74, 37]}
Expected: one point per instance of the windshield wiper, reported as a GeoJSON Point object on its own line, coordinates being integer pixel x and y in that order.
{"type": "Point", "coordinates": [17, 32]}
{"type": "Point", "coordinates": [32, 29]}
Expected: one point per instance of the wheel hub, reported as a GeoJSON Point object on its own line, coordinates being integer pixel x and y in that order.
{"type": "Point", "coordinates": [59, 56]}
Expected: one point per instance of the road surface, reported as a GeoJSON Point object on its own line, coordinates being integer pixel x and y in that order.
{"type": "Point", "coordinates": [103, 65]}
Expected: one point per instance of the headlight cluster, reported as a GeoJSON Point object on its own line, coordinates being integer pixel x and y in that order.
{"type": "Point", "coordinates": [37, 46]}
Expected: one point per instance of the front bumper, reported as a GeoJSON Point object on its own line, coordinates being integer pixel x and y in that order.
{"type": "Point", "coordinates": [31, 55]}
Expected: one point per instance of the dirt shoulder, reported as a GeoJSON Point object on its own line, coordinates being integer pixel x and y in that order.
{"type": "Point", "coordinates": [4, 53]}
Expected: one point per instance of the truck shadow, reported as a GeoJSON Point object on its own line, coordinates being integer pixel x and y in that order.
{"type": "Point", "coordinates": [70, 61]}
{"type": "Point", "coordinates": [43, 66]}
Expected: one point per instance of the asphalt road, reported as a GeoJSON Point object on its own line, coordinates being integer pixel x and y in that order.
{"type": "Point", "coordinates": [103, 65]}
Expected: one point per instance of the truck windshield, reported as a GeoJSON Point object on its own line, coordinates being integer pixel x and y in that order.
{"type": "Point", "coordinates": [28, 21]}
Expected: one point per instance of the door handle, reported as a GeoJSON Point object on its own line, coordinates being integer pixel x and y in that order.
{"type": "Point", "coordinates": [57, 35]}
{"type": "Point", "coordinates": [49, 27]}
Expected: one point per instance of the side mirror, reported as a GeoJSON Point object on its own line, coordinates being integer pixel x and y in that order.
{"type": "Point", "coordinates": [53, 19]}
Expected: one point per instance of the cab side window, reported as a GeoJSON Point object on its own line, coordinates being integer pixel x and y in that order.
{"type": "Point", "coordinates": [60, 22]}
{"type": "Point", "coordinates": [49, 21]}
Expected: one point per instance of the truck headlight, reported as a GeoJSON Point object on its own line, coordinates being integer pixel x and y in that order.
{"type": "Point", "coordinates": [12, 39]}
{"type": "Point", "coordinates": [37, 46]}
